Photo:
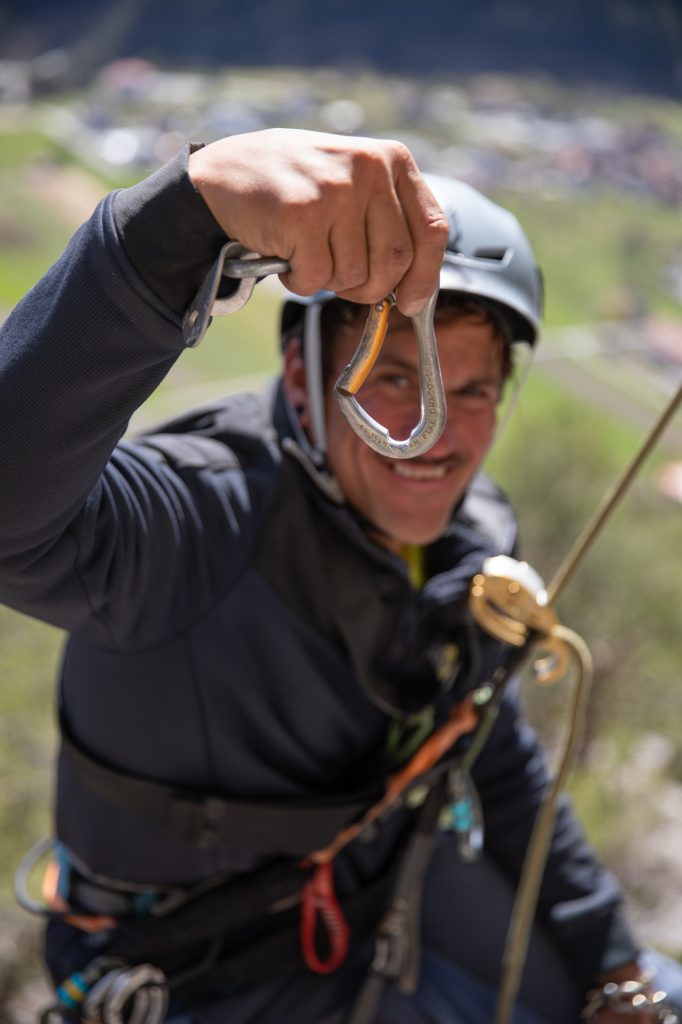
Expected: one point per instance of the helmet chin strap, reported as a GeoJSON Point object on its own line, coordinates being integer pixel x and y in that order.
{"type": "Point", "coordinates": [312, 356]}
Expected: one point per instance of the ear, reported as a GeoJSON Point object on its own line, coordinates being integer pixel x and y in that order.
{"type": "Point", "coordinates": [294, 381]}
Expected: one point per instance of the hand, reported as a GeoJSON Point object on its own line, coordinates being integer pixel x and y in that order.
{"type": "Point", "coordinates": [613, 1017]}
{"type": "Point", "coordinates": [350, 215]}
{"type": "Point", "coordinates": [629, 972]}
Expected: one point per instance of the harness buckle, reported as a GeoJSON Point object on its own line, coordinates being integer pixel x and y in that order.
{"type": "Point", "coordinates": [200, 822]}
{"type": "Point", "coordinates": [391, 944]}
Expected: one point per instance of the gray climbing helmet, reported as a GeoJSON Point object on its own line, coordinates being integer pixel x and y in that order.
{"type": "Point", "coordinates": [488, 257]}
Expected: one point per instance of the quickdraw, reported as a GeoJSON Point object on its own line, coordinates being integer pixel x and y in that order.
{"type": "Point", "coordinates": [236, 262]}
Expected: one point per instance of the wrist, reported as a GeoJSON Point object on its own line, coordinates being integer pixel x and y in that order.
{"type": "Point", "coordinates": [168, 233]}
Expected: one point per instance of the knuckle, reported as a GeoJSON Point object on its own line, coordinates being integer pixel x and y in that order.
{"type": "Point", "coordinates": [397, 256]}
{"type": "Point", "coordinates": [309, 277]}
{"type": "Point", "coordinates": [438, 227]}
{"type": "Point", "coordinates": [300, 284]}
{"type": "Point", "coordinates": [349, 278]}
{"type": "Point", "coordinates": [398, 152]}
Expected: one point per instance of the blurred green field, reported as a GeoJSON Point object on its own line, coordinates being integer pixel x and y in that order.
{"type": "Point", "coordinates": [603, 257]}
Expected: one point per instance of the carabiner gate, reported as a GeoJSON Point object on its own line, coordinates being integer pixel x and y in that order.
{"type": "Point", "coordinates": [431, 392]}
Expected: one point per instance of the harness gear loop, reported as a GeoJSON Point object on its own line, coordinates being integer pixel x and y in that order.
{"type": "Point", "coordinates": [319, 899]}
{"type": "Point", "coordinates": [237, 263]}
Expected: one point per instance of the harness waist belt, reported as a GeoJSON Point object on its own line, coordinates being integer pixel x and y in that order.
{"type": "Point", "coordinates": [291, 827]}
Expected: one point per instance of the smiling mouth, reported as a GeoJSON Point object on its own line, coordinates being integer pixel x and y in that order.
{"type": "Point", "coordinates": [421, 470]}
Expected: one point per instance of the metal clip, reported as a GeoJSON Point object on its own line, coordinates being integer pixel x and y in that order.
{"type": "Point", "coordinates": [128, 995]}
{"type": "Point", "coordinates": [234, 261]}
{"type": "Point", "coordinates": [432, 395]}
{"type": "Point", "coordinates": [463, 815]}
{"type": "Point", "coordinates": [508, 599]}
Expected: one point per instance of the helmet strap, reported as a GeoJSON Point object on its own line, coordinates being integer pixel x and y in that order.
{"type": "Point", "coordinates": [312, 355]}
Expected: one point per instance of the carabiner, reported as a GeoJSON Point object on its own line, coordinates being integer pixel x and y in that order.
{"type": "Point", "coordinates": [236, 262]}
{"type": "Point", "coordinates": [432, 394]}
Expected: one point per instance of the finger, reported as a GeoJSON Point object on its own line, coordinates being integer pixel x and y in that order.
{"type": "Point", "coordinates": [388, 245]}
{"type": "Point", "coordinates": [428, 228]}
{"type": "Point", "coordinates": [312, 264]}
{"type": "Point", "coordinates": [348, 244]}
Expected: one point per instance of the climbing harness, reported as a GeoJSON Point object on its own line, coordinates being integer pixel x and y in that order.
{"type": "Point", "coordinates": [190, 918]}
{"type": "Point", "coordinates": [237, 263]}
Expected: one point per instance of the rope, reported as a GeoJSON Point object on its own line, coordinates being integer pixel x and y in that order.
{"type": "Point", "coordinates": [518, 935]}
{"type": "Point", "coordinates": [611, 499]}
{"type": "Point", "coordinates": [523, 913]}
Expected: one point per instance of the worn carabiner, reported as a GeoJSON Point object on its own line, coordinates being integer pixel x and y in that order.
{"type": "Point", "coordinates": [432, 394]}
{"type": "Point", "coordinates": [236, 262]}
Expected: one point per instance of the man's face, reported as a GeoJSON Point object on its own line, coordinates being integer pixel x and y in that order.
{"type": "Point", "coordinates": [411, 500]}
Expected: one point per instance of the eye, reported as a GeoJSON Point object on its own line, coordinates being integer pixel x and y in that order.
{"type": "Point", "coordinates": [395, 381]}
{"type": "Point", "coordinates": [480, 393]}
{"type": "Point", "coordinates": [398, 380]}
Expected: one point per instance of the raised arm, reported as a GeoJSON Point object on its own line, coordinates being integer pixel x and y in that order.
{"type": "Point", "coordinates": [99, 332]}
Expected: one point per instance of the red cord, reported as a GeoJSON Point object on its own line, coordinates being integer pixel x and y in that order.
{"type": "Point", "coordinates": [319, 897]}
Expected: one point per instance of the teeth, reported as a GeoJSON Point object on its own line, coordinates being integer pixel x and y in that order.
{"type": "Point", "coordinates": [412, 472]}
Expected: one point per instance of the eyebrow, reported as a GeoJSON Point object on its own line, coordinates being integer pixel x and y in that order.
{"type": "Point", "coordinates": [387, 359]}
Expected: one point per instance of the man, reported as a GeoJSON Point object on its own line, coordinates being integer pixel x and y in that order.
{"type": "Point", "coordinates": [269, 619]}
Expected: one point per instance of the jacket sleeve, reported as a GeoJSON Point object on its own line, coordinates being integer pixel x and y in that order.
{"type": "Point", "coordinates": [580, 902]}
{"type": "Point", "coordinates": [79, 529]}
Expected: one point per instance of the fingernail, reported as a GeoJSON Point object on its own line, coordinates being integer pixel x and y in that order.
{"type": "Point", "coordinates": [414, 307]}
